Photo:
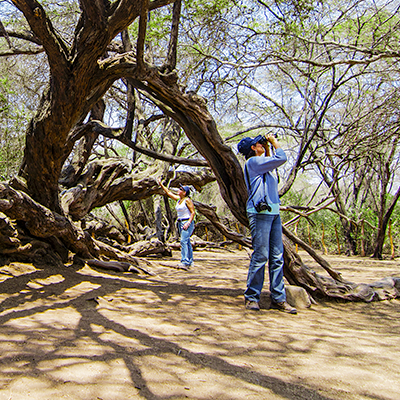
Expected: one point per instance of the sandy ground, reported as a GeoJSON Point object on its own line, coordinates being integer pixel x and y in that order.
{"type": "Point", "coordinates": [82, 333]}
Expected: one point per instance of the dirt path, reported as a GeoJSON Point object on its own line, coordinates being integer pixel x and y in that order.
{"type": "Point", "coordinates": [89, 334]}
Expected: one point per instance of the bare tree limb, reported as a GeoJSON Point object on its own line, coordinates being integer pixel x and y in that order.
{"type": "Point", "coordinates": [173, 41]}
{"type": "Point", "coordinates": [4, 33]}
{"type": "Point", "coordinates": [117, 134]}
{"type": "Point", "coordinates": [324, 264]}
{"type": "Point", "coordinates": [142, 35]}
{"type": "Point", "coordinates": [311, 210]}
{"type": "Point", "coordinates": [17, 52]}
{"type": "Point", "coordinates": [27, 36]}
{"type": "Point", "coordinates": [54, 45]}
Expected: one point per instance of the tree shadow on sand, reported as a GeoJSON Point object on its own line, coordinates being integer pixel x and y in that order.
{"type": "Point", "coordinates": [92, 333]}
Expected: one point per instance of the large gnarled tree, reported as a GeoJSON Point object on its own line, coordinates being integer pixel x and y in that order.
{"type": "Point", "coordinates": [81, 72]}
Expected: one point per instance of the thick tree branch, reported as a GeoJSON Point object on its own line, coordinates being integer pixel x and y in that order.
{"type": "Point", "coordinates": [173, 41]}
{"type": "Point", "coordinates": [40, 221]}
{"type": "Point", "coordinates": [192, 115]}
{"type": "Point", "coordinates": [41, 25]}
{"type": "Point", "coordinates": [110, 180]}
{"type": "Point", "coordinates": [130, 92]}
{"type": "Point", "coordinates": [124, 12]}
{"type": "Point", "coordinates": [159, 3]}
{"type": "Point", "coordinates": [95, 12]}
{"type": "Point", "coordinates": [43, 223]}
{"type": "Point", "coordinates": [142, 35]}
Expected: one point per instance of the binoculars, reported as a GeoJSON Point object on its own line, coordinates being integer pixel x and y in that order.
{"type": "Point", "coordinates": [264, 140]}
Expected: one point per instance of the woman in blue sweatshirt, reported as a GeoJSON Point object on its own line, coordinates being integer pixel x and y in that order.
{"type": "Point", "coordinates": [265, 222]}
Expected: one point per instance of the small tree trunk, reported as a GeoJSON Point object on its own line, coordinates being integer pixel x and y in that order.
{"type": "Point", "coordinates": [380, 240]}
{"type": "Point", "coordinates": [170, 217]}
{"type": "Point", "coordinates": [158, 217]}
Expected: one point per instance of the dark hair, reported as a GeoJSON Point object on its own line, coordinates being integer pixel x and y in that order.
{"type": "Point", "coordinates": [251, 153]}
{"type": "Point", "coordinates": [186, 189]}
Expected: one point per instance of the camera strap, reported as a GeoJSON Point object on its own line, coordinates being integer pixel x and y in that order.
{"type": "Point", "coordinates": [249, 184]}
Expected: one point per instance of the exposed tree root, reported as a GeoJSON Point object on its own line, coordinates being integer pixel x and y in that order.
{"type": "Point", "coordinates": [319, 286]}
{"type": "Point", "coordinates": [118, 266]}
{"type": "Point", "coordinates": [29, 231]}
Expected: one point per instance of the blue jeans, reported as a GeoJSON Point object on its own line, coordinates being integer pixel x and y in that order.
{"type": "Point", "coordinates": [186, 246]}
{"type": "Point", "coordinates": [266, 233]}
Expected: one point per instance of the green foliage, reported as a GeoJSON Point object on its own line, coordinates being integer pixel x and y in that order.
{"type": "Point", "coordinates": [159, 27]}
{"type": "Point", "coordinates": [327, 222]}
{"type": "Point", "coordinates": [4, 90]}
{"type": "Point", "coordinates": [11, 142]}
{"type": "Point", "coordinates": [207, 10]}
